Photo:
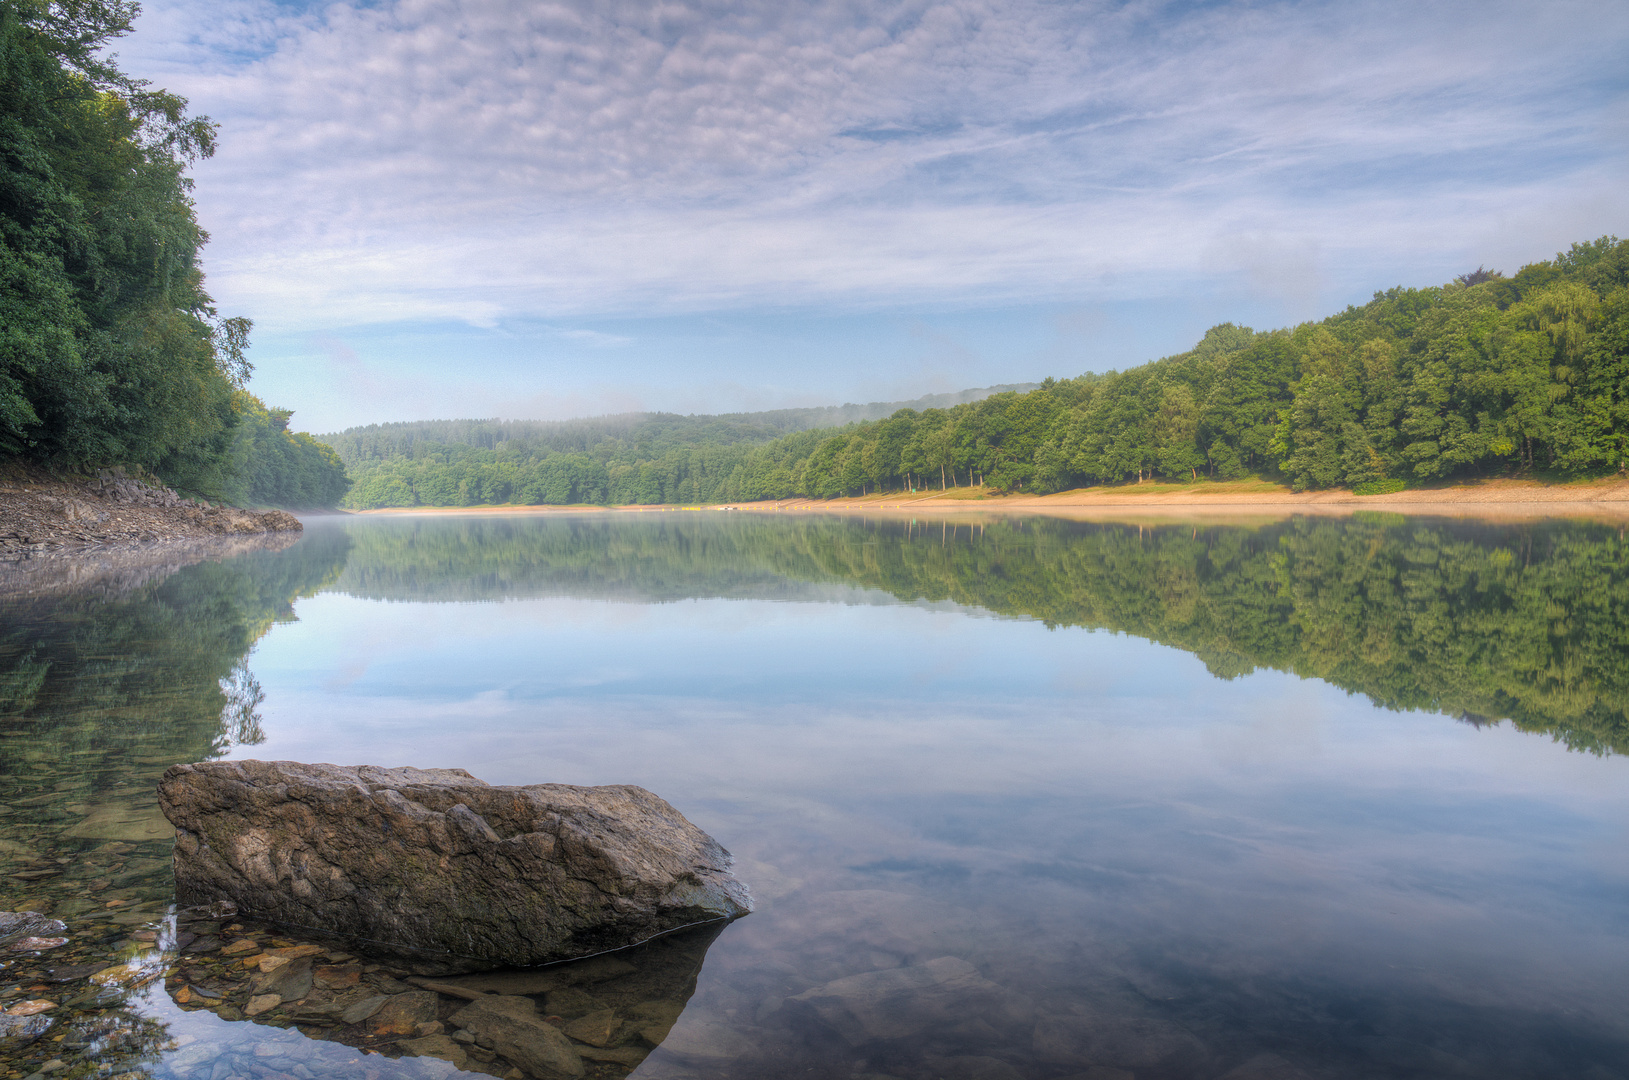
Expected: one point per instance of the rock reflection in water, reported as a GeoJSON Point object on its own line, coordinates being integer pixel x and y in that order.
{"type": "Point", "coordinates": [596, 1017]}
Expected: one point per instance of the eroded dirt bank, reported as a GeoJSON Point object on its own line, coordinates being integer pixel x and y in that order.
{"type": "Point", "coordinates": [42, 514]}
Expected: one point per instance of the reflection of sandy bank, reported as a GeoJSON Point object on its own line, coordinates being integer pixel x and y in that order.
{"type": "Point", "coordinates": [110, 572]}
{"type": "Point", "coordinates": [1493, 499]}
{"type": "Point", "coordinates": [1497, 500]}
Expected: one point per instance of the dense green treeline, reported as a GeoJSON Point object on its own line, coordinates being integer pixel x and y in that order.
{"type": "Point", "coordinates": [1487, 375]}
{"type": "Point", "coordinates": [111, 350]}
{"type": "Point", "coordinates": [1525, 622]}
{"type": "Point", "coordinates": [279, 467]}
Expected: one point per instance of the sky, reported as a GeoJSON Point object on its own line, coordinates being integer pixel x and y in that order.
{"type": "Point", "coordinates": [435, 208]}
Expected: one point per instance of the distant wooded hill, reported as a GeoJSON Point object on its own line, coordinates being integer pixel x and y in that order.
{"type": "Point", "coordinates": [469, 462]}
{"type": "Point", "coordinates": [1487, 375]}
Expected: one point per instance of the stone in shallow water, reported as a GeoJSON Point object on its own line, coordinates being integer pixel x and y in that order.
{"type": "Point", "coordinates": [261, 1003]}
{"type": "Point", "coordinates": [138, 822]}
{"type": "Point", "coordinates": [446, 989]}
{"type": "Point", "coordinates": [290, 982]}
{"type": "Point", "coordinates": [337, 978]}
{"type": "Point", "coordinates": [15, 925]}
{"type": "Point", "coordinates": [571, 1002]}
{"type": "Point", "coordinates": [436, 860]}
{"type": "Point", "coordinates": [638, 994]}
{"type": "Point", "coordinates": [73, 972]}
{"type": "Point", "coordinates": [403, 1013]}
{"type": "Point", "coordinates": [436, 1046]}
{"type": "Point", "coordinates": [510, 1026]}
{"type": "Point", "coordinates": [363, 1009]}
{"type": "Point", "coordinates": [595, 1029]}
{"type": "Point", "coordinates": [37, 944]}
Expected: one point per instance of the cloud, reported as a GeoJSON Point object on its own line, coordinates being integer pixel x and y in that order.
{"type": "Point", "coordinates": [596, 338]}
{"type": "Point", "coordinates": [434, 160]}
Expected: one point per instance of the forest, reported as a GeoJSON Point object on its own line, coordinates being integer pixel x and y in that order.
{"type": "Point", "coordinates": [595, 459]}
{"type": "Point", "coordinates": [111, 350]}
{"type": "Point", "coordinates": [1488, 375]}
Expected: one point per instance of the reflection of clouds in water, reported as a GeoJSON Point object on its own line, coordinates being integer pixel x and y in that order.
{"type": "Point", "coordinates": [1266, 828]}
{"type": "Point", "coordinates": [1072, 813]}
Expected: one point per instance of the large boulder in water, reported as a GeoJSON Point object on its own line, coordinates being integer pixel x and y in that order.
{"type": "Point", "coordinates": [442, 864]}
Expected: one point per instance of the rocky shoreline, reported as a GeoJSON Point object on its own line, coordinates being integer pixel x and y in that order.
{"type": "Point", "coordinates": [40, 513]}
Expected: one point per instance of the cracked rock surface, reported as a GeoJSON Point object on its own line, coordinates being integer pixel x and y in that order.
{"type": "Point", "coordinates": [439, 863]}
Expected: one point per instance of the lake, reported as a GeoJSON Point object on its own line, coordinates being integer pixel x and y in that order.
{"type": "Point", "coordinates": [1017, 797]}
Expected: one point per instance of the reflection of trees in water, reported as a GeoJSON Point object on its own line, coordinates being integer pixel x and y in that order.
{"type": "Point", "coordinates": [240, 723]}
{"type": "Point", "coordinates": [98, 694]}
{"type": "Point", "coordinates": [165, 659]}
{"type": "Point", "coordinates": [1471, 619]}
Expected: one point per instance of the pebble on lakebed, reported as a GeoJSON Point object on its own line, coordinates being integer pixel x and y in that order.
{"type": "Point", "coordinates": [601, 1015]}
{"type": "Point", "coordinates": [598, 1017]}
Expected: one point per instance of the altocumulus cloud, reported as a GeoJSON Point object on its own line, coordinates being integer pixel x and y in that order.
{"type": "Point", "coordinates": [435, 159]}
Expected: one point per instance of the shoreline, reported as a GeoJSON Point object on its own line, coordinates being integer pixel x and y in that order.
{"type": "Point", "coordinates": [44, 514]}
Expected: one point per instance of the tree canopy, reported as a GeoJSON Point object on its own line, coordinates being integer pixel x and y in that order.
{"type": "Point", "coordinates": [111, 350]}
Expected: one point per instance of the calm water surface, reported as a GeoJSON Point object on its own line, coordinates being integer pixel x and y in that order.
{"type": "Point", "coordinates": [1024, 798]}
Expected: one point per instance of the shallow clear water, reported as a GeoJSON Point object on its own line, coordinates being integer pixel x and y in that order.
{"type": "Point", "coordinates": [952, 750]}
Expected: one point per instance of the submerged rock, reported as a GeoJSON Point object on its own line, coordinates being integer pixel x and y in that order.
{"type": "Point", "coordinates": [512, 1027]}
{"type": "Point", "coordinates": [436, 861]}
{"type": "Point", "coordinates": [600, 1016]}
{"type": "Point", "coordinates": [19, 926]}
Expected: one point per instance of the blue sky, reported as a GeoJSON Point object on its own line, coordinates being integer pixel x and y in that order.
{"type": "Point", "coordinates": [528, 209]}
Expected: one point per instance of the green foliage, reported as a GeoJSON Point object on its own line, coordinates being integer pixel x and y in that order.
{"type": "Point", "coordinates": [1526, 622]}
{"type": "Point", "coordinates": [110, 350]}
{"type": "Point", "coordinates": [1379, 487]}
{"type": "Point", "coordinates": [274, 466]}
{"type": "Point", "coordinates": [1487, 375]}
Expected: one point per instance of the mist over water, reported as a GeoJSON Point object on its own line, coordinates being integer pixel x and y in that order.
{"type": "Point", "coordinates": [1323, 798]}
